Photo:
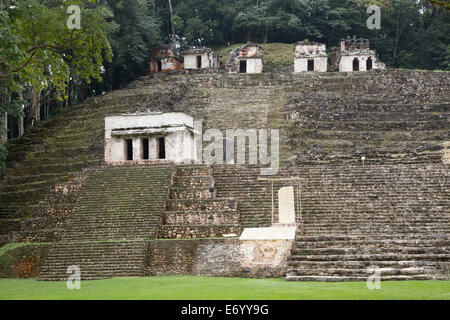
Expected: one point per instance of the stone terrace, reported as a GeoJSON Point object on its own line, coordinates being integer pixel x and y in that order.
{"type": "Point", "coordinates": [353, 216]}
{"type": "Point", "coordinates": [396, 119]}
{"type": "Point", "coordinates": [122, 206]}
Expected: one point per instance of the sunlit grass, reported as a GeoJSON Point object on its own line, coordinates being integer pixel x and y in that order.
{"type": "Point", "coordinates": [190, 287]}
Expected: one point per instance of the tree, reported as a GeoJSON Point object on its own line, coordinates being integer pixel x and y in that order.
{"type": "Point", "coordinates": [37, 49]}
{"type": "Point", "coordinates": [134, 31]}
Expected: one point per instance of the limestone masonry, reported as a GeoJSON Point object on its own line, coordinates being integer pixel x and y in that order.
{"type": "Point", "coordinates": [113, 184]}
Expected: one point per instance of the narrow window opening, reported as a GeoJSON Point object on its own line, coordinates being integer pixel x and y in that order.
{"type": "Point", "coordinates": [199, 62]}
{"type": "Point", "coordinates": [243, 66]}
{"type": "Point", "coordinates": [161, 148]}
{"type": "Point", "coordinates": [145, 154]}
{"type": "Point", "coordinates": [369, 64]}
{"type": "Point", "coordinates": [129, 146]}
{"type": "Point", "coordinates": [159, 65]}
{"type": "Point", "coordinates": [311, 65]}
{"type": "Point", "coordinates": [355, 64]}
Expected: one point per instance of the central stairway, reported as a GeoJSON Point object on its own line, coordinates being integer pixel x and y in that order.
{"type": "Point", "coordinates": [194, 211]}
{"type": "Point", "coordinates": [117, 211]}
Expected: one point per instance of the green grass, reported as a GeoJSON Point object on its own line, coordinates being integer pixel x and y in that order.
{"type": "Point", "coordinates": [190, 287]}
{"type": "Point", "coordinates": [280, 54]}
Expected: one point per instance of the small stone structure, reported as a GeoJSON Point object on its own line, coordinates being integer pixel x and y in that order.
{"type": "Point", "coordinates": [356, 55]}
{"type": "Point", "coordinates": [149, 137]}
{"type": "Point", "coordinates": [310, 56]}
{"type": "Point", "coordinates": [201, 58]}
{"type": "Point", "coordinates": [286, 204]}
{"type": "Point", "coordinates": [245, 59]}
{"type": "Point", "coordinates": [164, 58]}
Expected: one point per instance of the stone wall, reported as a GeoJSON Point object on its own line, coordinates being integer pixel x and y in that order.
{"type": "Point", "coordinates": [320, 64]}
{"type": "Point", "coordinates": [218, 257]}
{"type": "Point", "coordinates": [171, 257]}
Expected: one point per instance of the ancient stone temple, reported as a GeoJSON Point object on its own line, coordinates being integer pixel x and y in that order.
{"type": "Point", "coordinates": [149, 137]}
{"type": "Point", "coordinates": [356, 55]}
{"type": "Point", "coordinates": [245, 59]}
{"type": "Point", "coordinates": [101, 185]}
{"type": "Point", "coordinates": [164, 58]}
{"type": "Point", "coordinates": [201, 58]}
{"type": "Point", "coordinates": [310, 56]}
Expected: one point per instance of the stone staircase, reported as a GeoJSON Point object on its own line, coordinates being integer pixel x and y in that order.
{"type": "Point", "coordinates": [395, 217]}
{"type": "Point", "coordinates": [118, 209]}
{"type": "Point", "coordinates": [385, 121]}
{"type": "Point", "coordinates": [194, 211]}
{"type": "Point", "coordinates": [96, 260]}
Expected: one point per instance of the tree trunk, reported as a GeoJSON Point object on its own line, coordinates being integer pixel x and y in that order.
{"type": "Point", "coordinates": [22, 107]}
{"type": "Point", "coordinates": [171, 22]}
{"type": "Point", "coordinates": [35, 109]}
{"type": "Point", "coordinates": [5, 127]}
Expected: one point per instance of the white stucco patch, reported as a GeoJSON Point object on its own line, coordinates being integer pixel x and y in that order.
{"type": "Point", "coordinates": [208, 60]}
{"type": "Point", "coordinates": [272, 233]}
{"type": "Point", "coordinates": [254, 65]}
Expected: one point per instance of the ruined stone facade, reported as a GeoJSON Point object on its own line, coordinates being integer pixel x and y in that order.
{"type": "Point", "coordinates": [245, 59]}
{"type": "Point", "coordinates": [158, 219]}
{"type": "Point", "coordinates": [201, 58]}
{"type": "Point", "coordinates": [148, 137]}
{"type": "Point", "coordinates": [310, 56]}
{"type": "Point", "coordinates": [356, 55]}
{"type": "Point", "coordinates": [164, 58]}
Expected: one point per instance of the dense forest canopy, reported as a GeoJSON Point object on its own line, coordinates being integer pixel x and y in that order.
{"type": "Point", "coordinates": [45, 66]}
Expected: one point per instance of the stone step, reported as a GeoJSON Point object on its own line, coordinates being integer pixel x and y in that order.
{"type": "Point", "coordinates": [202, 204]}
{"type": "Point", "coordinates": [370, 257]}
{"type": "Point", "coordinates": [193, 193]}
{"type": "Point", "coordinates": [373, 243]}
{"type": "Point", "coordinates": [369, 250]}
{"type": "Point", "coordinates": [216, 217]}
{"type": "Point", "coordinates": [360, 272]}
{"type": "Point", "coordinates": [364, 264]}
{"type": "Point", "coordinates": [188, 182]}
{"type": "Point", "coordinates": [197, 170]}
{"type": "Point", "coordinates": [371, 237]}
{"type": "Point", "coordinates": [355, 278]}
{"type": "Point", "coordinates": [197, 231]}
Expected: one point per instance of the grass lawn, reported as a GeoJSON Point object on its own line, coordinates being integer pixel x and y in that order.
{"type": "Point", "coordinates": [189, 287]}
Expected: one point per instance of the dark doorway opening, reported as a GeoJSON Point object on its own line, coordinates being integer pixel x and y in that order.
{"type": "Point", "coordinates": [199, 62]}
{"type": "Point", "coordinates": [369, 64]}
{"type": "Point", "coordinates": [161, 148]}
{"type": "Point", "coordinates": [129, 145]}
{"type": "Point", "coordinates": [355, 64]}
{"type": "Point", "coordinates": [145, 154]}
{"type": "Point", "coordinates": [311, 65]}
{"type": "Point", "coordinates": [13, 127]}
{"type": "Point", "coordinates": [243, 66]}
{"type": "Point", "coordinates": [159, 65]}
